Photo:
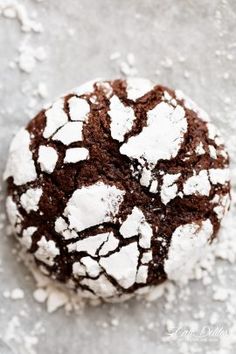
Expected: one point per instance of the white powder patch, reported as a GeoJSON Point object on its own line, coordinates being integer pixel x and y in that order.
{"type": "Point", "coordinates": [219, 175]}
{"type": "Point", "coordinates": [86, 88]}
{"type": "Point", "coordinates": [214, 134]}
{"type": "Point", "coordinates": [101, 286]}
{"type": "Point", "coordinates": [70, 133]}
{"type": "Point", "coordinates": [145, 235]}
{"type": "Point", "coordinates": [47, 251]}
{"type": "Point", "coordinates": [74, 155]}
{"type": "Point", "coordinates": [56, 299]}
{"type": "Point", "coordinates": [169, 188]}
{"type": "Point", "coordinates": [224, 204]}
{"type": "Point", "coordinates": [78, 269]}
{"type": "Point", "coordinates": [78, 108]}
{"type": "Point", "coordinates": [61, 227]}
{"type": "Point", "coordinates": [189, 244]}
{"type": "Point", "coordinates": [93, 205]}
{"type": "Point", "coordinates": [17, 294]}
{"type": "Point", "coordinates": [122, 118]}
{"type": "Point", "coordinates": [89, 244]}
{"type": "Point", "coordinates": [213, 152]}
{"type": "Point", "coordinates": [110, 245]}
{"type": "Point", "coordinates": [122, 265]}
{"type": "Point", "coordinates": [145, 177]}
{"type": "Point", "coordinates": [136, 224]}
{"type": "Point", "coordinates": [30, 199]}
{"type": "Point", "coordinates": [26, 239]}
{"type": "Point", "coordinates": [200, 149]}
{"type": "Point", "coordinates": [29, 57]}
{"type": "Point", "coordinates": [131, 225]}
{"type": "Point", "coordinates": [92, 267]}
{"type": "Point", "coordinates": [106, 87]}
{"type": "Point", "coordinates": [154, 186]}
{"type": "Point", "coordinates": [197, 184]}
{"type": "Point", "coordinates": [47, 158]}
{"type": "Point", "coordinates": [161, 138]}
{"type": "Point", "coordinates": [55, 118]}
{"type": "Point", "coordinates": [20, 164]}
{"type": "Point", "coordinates": [146, 257]}
{"type": "Point", "coordinates": [137, 87]}
{"type": "Point", "coordinates": [167, 96]}
{"type": "Point", "coordinates": [142, 274]}
{"type": "Point", "coordinates": [13, 212]}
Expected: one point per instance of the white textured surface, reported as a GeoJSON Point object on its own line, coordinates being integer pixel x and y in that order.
{"type": "Point", "coordinates": [182, 46]}
{"type": "Point", "coordinates": [161, 138]}
{"type": "Point", "coordinates": [93, 205]}
{"type": "Point", "coordinates": [47, 158]}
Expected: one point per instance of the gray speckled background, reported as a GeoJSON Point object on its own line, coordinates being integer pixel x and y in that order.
{"type": "Point", "coordinates": [199, 38]}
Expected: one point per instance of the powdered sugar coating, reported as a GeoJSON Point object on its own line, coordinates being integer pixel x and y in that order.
{"type": "Point", "coordinates": [198, 184]}
{"type": "Point", "coordinates": [47, 251]}
{"type": "Point", "coordinates": [14, 215]}
{"type": "Point", "coordinates": [47, 158]}
{"type": "Point", "coordinates": [20, 164]}
{"type": "Point", "coordinates": [74, 155]}
{"type": "Point", "coordinates": [169, 187]}
{"type": "Point", "coordinates": [137, 87]}
{"type": "Point", "coordinates": [190, 239]}
{"type": "Point", "coordinates": [90, 244]}
{"type": "Point", "coordinates": [55, 118]}
{"type": "Point", "coordinates": [161, 138]}
{"type": "Point", "coordinates": [218, 175]}
{"type": "Point", "coordinates": [119, 183]}
{"type": "Point", "coordinates": [30, 199]}
{"type": "Point", "coordinates": [78, 108]}
{"type": "Point", "coordinates": [122, 265]}
{"type": "Point", "coordinates": [71, 132]}
{"type": "Point", "coordinates": [122, 118]}
{"type": "Point", "coordinates": [93, 205]}
{"type": "Point", "coordinates": [26, 239]}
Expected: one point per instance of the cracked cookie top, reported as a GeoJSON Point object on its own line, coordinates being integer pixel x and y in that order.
{"type": "Point", "coordinates": [117, 186]}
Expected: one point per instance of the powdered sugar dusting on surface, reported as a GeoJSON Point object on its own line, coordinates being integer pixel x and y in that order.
{"type": "Point", "coordinates": [26, 239]}
{"type": "Point", "coordinates": [122, 118]}
{"type": "Point", "coordinates": [155, 143]}
{"type": "Point", "coordinates": [20, 164]}
{"type": "Point", "coordinates": [78, 108]}
{"type": "Point", "coordinates": [150, 328]}
{"type": "Point", "coordinates": [13, 212]}
{"type": "Point", "coordinates": [198, 184]}
{"type": "Point", "coordinates": [89, 244]}
{"type": "Point", "coordinates": [136, 224]}
{"type": "Point", "coordinates": [30, 199]}
{"type": "Point", "coordinates": [169, 188]}
{"type": "Point", "coordinates": [47, 158]}
{"type": "Point", "coordinates": [93, 205]}
{"type": "Point", "coordinates": [122, 265]}
{"type": "Point", "coordinates": [74, 155]}
{"type": "Point", "coordinates": [138, 87]}
{"type": "Point", "coordinates": [220, 176]}
{"type": "Point", "coordinates": [71, 132]}
{"type": "Point", "coordinates": [47, 251]}
{"type": "Point", "coordinates": [190, 239]}
{"type": "Point", "coordinates": [55, 118]}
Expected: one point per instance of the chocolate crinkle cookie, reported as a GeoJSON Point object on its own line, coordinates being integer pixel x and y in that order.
{"type": "Point", "coordinates": [118, 186]}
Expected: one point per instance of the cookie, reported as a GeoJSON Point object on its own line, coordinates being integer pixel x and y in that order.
{"type": "Point", "coordinates": [117, 187]}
